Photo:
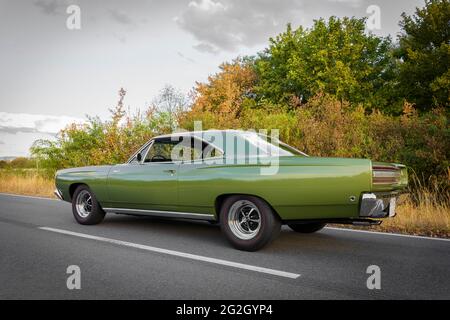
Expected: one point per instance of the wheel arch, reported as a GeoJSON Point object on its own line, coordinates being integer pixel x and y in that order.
{"type": "Point", "coordinates": [74, 187]}
{"type": "Point", "coordinates": [220, 199]}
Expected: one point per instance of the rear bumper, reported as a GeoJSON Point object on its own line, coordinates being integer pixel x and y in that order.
{"type": "Point", "coordinates": [58, 194]}
{"type": "Point", "coordinates": [378, 205]}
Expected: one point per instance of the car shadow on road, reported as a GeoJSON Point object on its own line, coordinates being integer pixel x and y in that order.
{"type": "Point", "coordinates": [210, 234]}
{"type": "Point", "coordinates": [176, 229]}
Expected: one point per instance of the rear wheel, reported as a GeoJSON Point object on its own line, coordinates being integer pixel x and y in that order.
{"type": "Point", "coordinates": [248, 222]}
{"type": "Point", "coordinates": [307, 227]}
{"type": "Point", "coordinates": [85, 207]}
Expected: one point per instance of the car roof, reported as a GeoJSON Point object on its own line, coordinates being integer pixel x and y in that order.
{"type": "Point", "coordinates": [200, 133]}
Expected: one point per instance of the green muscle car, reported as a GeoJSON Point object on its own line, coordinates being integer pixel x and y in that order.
{"type": "Point", "coordinates": [249, 183]}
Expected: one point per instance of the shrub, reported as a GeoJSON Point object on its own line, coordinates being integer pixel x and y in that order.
{"type": "Point", "coordinates": [326, 126]}
{"type": "Point", "coordinates": [101, 142]}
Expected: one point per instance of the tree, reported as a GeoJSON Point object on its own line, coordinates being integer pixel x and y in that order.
{"type": "Point", "coordinates": [98, 142]}
{"type": "Point", "coordinates": [219, 102]}
{"type": "Point", "coordinates": [18, 163]}
{"type": "Point", "coordinates": [424, 48]}
{"type": "Point", "coordinates": [169, 103]}
{"type": "Point", "coordinates": [336, 57]}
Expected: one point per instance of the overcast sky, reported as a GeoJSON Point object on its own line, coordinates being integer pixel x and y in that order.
{"type": "Point", "coordinates": [51, 76]}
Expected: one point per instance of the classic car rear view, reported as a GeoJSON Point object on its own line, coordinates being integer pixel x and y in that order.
{"type": "Point", "coordinates": [248, 183]}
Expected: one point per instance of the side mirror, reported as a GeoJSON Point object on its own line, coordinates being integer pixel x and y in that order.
{"type": "Point", "coordinates": [139, 157]}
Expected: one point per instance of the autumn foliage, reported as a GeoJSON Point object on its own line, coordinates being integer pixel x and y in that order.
{"type": "Point", "coordinates": [331, 90]}
{"type": "Point", "coordinates": [218, 103]}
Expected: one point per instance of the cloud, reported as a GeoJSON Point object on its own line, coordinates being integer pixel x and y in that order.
{"type": "Point", "coordinates": [206, 47]}
{"type": "Point", "coordinates": [228, 24]}
{"type": "Point", "coordinates": [14, 130]}
{"type": "Point", "coordinates": [120, 17]}
{"type": "Point", "coordinates": [34, 123]}
{"type": "Point", "coordinates": [1, 142]}
{"type": "Point", "coordinates": [351, 3]}
{"type": "Point", "coordinates": [51, 7]}
{"type": "Point", "coordinates": [122, 38]}
{"type": "Point", "coordinates": [18, 144]}
{"type": "Point", "coordinates": [185, 58]}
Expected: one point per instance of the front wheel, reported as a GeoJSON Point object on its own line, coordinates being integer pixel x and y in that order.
{"type": "Point", "coordinates": [307, 227]}
{"type": "Point", "coordinates": [85, 207]}
{"type": "Point", "coordinates": [248, 222]}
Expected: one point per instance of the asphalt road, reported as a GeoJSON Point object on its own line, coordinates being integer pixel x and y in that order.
{"type": "Point", "coordinates": [146, 258]}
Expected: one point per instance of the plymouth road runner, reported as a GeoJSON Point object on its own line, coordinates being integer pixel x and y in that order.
{"type": "Point", "coordinates": [248, 183]}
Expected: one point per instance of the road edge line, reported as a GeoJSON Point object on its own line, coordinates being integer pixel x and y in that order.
{"type": "Point", "coordinates": [388, 233]}
{"type": "Point", "coordinates": [25, 196]}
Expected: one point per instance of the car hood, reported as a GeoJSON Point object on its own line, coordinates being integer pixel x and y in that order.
{"type": "Point", "coordinates": [88, 169]}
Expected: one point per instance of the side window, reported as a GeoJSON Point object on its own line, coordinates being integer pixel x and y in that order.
{"type": "Point", "coordinates": [142, 152]}
{"type": "Point", "coordinates": [179, 149]}
{"type": "Point", "coordinates": [134, 160]}
{"type": "Point", "coordinates": [190, 149]}
{"type": "Point", "coordinates": [194, 149]}
{"type": "Point", "coordinates": [161, 151]}
{"type": "Point", "coordinates": [211, 152]}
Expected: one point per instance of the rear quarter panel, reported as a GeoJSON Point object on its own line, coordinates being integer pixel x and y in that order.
{"type": "Point", "coordinates": [303, 187]}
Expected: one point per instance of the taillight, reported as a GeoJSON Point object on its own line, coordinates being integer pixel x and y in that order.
{"type": "Point", "coordinates": [385, 175]}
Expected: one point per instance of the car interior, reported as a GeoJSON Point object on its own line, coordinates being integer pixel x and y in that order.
{"type": "Point", "coordinates": [169, 149]}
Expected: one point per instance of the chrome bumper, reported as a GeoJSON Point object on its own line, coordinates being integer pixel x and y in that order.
{"type": "Point", "coordinates": [58, 194]}
{"type": "Point", "coordinates": [378, 205]}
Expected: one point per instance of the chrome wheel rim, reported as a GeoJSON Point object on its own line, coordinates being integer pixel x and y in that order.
{"type": "Point", "coordinates": [244, 219]}
{"type": "Point", "coordinates": [84, 204]}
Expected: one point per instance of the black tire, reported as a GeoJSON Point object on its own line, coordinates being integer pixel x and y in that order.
{"type": "Point", "coordinates": [83, 216]}
{"type": "Point", "coordinates": [307, 227]}
{"type": "Point", "coordinates": [269, 223]}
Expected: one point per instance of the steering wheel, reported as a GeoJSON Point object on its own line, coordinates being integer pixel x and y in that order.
{"type": "Point", "coordinates": [158, 158]}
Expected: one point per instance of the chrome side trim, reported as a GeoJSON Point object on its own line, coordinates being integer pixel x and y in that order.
{"type": "Point", "coordinates": [161, 213]}
{"type": "Point", "coordinates": [58, 194]}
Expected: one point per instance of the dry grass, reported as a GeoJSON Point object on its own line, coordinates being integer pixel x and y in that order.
{"type": "Point", "coordinates": [26, 182]}
{"type": "Point", "coordinates": [430, 217]}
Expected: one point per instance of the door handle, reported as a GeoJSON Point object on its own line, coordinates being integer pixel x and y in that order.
{"type": "Point", "coordinates": [171, 171]}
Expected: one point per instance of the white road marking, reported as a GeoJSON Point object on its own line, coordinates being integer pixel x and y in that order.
{"type": "Point", "coordinates": [178, 254]}
{"type": "Point", "coordinates": [24, 196]}
{"type": "Point", "coordinates": [387, 234]}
